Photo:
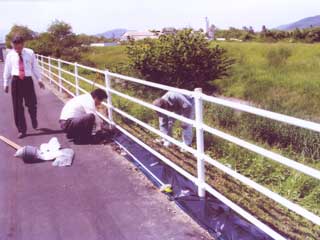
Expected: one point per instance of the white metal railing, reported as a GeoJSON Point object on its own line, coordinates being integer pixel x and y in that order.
{"type": "Point", "coordinates": [200, 127]}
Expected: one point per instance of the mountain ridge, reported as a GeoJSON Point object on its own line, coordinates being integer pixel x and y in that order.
{"type": "Point", "coordinates": [301, 24]}
{"type": "Point", "coordinates": [113, 33]}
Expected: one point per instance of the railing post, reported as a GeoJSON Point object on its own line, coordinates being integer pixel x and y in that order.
{"type": "Point", "coordinates": [49, 68]}
{"type": "Point", "coordinates": [200, 140]}
{"type": "Point", "coordinates": [39, 61]}
{"type": "Point", "coordinates": [59, 74]}
{"type": "Point", "coordinates": [42, 62]}
{"type": "Point", "coordinates": [76, 78]}
{"type": "Point", "coordinates": [109, 100]}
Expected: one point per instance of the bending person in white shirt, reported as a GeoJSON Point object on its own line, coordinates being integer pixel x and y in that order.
{"type": "Point", "coordinates": [79, 118]}
{"type": "Point", "coordinates": [20, 65]}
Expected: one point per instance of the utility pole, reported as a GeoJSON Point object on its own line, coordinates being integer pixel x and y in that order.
{"type": "Point", "coordinates": [207, 26]}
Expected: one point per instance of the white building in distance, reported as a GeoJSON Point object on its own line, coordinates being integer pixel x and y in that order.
{"type": "Point", "coordinates": [108, 44]}
{"type": "Point", "coordinates": [138, 35]}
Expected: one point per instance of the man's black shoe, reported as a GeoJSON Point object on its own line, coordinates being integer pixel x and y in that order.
{"type": "Point", "coordinates": [35, 124]}
{"type": "Point", "coordinates": [21, 135]}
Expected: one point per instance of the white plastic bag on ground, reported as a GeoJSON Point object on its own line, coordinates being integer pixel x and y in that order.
{"type": "Point", "coordinates": [50, 150]}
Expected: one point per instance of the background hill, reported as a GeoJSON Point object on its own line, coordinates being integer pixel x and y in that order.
{"type": "Point", "coordinates": [114, 33]}
{"type": "Point", "coordinates": [301, 24]}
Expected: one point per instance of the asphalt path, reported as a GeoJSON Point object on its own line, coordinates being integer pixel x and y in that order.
{"type": "Point", "coordinates": [101, 196]}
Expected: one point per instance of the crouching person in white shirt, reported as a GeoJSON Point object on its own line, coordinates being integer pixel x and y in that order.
{"type": "Point", "coordinates": [79, 118]}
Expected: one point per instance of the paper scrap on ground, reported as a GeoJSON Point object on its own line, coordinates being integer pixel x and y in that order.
{"type": "Point", "coordinates": [65, 158]}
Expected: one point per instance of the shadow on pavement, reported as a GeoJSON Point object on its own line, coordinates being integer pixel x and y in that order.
{"type": "Point", "coordinates": [45, 131]}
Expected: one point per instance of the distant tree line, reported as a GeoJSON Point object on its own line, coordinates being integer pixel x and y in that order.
{"type": "Point", "coordinates": [308, 35]}
{"type": "Point", "coordinates": [58, 41]}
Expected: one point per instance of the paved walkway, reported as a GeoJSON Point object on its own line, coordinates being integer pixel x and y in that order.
{"type": "Point", "coordinates": [101, 196]}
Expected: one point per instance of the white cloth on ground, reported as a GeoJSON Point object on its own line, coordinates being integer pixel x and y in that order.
{"type": "Point", "coordinates": [52, 150]}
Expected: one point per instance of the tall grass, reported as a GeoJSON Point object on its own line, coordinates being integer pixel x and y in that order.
{"type": "Point", "coordinates": [105, 57]}
{"type": "Point", "coordinates": [282, 77]}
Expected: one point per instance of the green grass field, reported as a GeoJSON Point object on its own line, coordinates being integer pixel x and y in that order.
{"type": "Point", "coordinates": [104, 57]}
{"type": "Point", "coordinates": [281, 77]}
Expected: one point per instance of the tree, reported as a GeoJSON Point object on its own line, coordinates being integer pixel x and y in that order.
{"type": "Point", "coordinates": [43, 44]}
{"type": "Point", "coordinates": [313, 35]}
{"type": "Point", "coordinates": [183, 60]}
{"type": "Point", "coordinates": [297, 34]}
{"type": "Point", "coordinates": [59, 41]}
{"type": "Point", "coordinates": [64, 41]}
{"type": "Point", "coordinates": [245, 28]}
{"type": "Point", "coordinates": [60, 30]}
{"type": "Point", "coordinates": [23, 31]}
{"type": "Point", "coordinates": [84, 39]}
{"type": "Point", "coordinates": [264, 29]}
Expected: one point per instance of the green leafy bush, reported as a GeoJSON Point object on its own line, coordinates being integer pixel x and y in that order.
{"type": "Point", "coordinates": [183, 60]}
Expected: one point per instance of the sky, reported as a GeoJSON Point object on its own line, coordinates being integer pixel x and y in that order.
{"type": "Point", "coordinates": [96, 16]}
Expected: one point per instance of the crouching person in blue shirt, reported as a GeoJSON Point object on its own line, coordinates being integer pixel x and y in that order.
{"type": "Point", "coordinates": [179, 104]}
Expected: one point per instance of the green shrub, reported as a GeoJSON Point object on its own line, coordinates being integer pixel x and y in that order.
{"type": "Point", "coordinates": [183, 60]}
{"type": "Point", "coordinates": [277, 57]}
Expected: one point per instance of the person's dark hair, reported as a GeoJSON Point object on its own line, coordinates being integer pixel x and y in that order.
{"type": "Point", "coordinates": [99, 94]}
{"type": "Point", "coordinates": [161, 103]}
{"type": "Point", "coordinates": [17, 39]}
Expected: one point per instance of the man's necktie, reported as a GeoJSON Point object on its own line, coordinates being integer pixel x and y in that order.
{"type": "Point", "coordinates": [21, 67]}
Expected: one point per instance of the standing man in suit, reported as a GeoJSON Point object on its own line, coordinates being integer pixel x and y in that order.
{"type": "Point", "coordinates": [20, 65]}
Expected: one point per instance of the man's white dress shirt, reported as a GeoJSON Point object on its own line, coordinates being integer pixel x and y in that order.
{"type": "Point", "coordinates": [11, 68]}
{"type": "Point", "coordinates": [79, 106]}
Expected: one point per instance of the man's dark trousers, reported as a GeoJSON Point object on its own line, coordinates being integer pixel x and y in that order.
{"type": "Point", "coordinates": [23, 91]}
{"type": "Point", "coordinates": [80, 128]}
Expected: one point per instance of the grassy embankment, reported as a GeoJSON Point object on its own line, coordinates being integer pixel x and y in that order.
{"type": "Point", "coordinates": [279, 77]}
